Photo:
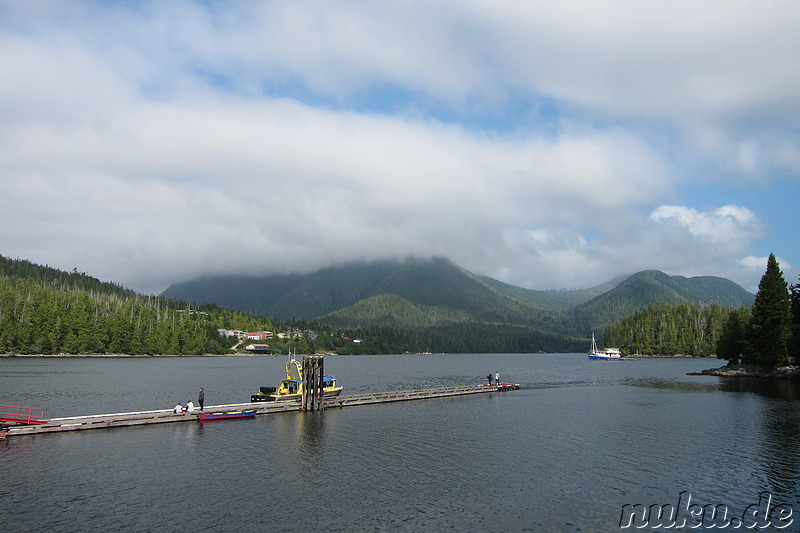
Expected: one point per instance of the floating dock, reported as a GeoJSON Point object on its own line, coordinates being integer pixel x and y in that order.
{"type": "Point", "coordinates": [139, 418]}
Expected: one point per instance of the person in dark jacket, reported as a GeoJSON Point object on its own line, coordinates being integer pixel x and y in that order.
{"type": "Point", "coordinates": [201, 398]}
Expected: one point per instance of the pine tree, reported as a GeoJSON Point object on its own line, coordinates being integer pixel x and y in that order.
{"type": "Point", "coordinates": [794, 342]}
{"type": "Point", "coordinates": [769, 329]}
{"type": "Point", "coordinates": [731, 343]}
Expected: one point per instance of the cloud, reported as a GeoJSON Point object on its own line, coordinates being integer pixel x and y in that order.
{"type": "Point", "coordinates": [151, 142]}
{"type": "Point", "coordinates": [758, 265]}
{"type": "Point", "coordinates": [728, 225]}
{"type": "Point", "coordinates": [281, 185]}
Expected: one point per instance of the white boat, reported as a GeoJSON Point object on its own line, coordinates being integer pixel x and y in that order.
{"type": "Point", "coordinates": [604, 354]}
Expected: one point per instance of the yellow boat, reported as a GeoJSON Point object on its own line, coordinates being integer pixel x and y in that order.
{"type": "Point", "coordinates": [291, 388]}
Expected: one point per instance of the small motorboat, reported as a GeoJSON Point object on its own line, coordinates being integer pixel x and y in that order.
{"type": "Point", "coordinates": [224, 415]}
{"type": "Point", "coordinates": [291, 388]}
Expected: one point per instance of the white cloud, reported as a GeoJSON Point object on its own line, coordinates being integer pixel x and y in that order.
{"type": "Point", "coordinates": [726, 225]}
{"type": "Point", "coordinates": [148, 142]}
{"type": "Point", "coordinates": [296, 188]}
{"type": "Point", "coordinates": [758, 265]}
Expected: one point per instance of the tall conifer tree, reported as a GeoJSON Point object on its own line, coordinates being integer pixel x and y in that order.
{"type": "Point", "coordinates": [731, 341]}
{"type": "Point", "coordinates": [794, 342]}
{"type": "Point", "coordinates": [770, 323]}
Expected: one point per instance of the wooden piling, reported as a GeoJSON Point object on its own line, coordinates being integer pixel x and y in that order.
{"type": "Point", "coordinates": [313, 370]}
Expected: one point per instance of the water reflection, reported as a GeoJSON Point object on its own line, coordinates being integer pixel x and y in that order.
{"type": "Point", "coordinates": [780, 389]}
{"type": "Point", "coordinates": [562, 454]}
{"type": "Point", "coordinates": [781, 449]}
{"type": "Point", "coordinates": [304, 433]}
{"type": "Point", "coordinates": [671, 385]}
{"type": "Point", "coordinates": [779, 428]}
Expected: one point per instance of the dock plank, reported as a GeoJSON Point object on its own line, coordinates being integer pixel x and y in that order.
{"type": "Point", "coordinates": [139, 418]}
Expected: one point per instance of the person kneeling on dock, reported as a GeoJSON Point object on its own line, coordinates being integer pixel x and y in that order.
{"type": "Point", "coordinates": [189, 406]}
{"type": "Point", "coordinates": [178, 408]}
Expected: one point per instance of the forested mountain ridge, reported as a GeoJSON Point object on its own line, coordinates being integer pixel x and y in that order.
{"type": "Point", "coordinates": [45, 310]}
{"type": "Point", "coordinates": [391, 310]}
{"type": "Point", "coordinates": [20, 268]}
{"type": "Point", "coordinates": [435, 291]}
{"type": "Point", "coordinates": [392, 306]}
{"type": "Point", "coordinates": [423, 282]}
{"type": "Point", "coordinates": [444, 329]}
{"type": "Point", "coordinates": [560, 300]}
{"type": "Point", "coordinates": [652, 287]}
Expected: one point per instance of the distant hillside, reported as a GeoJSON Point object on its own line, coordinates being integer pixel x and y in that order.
{"type": "Point", "coordinates": [560, 300]}
{"type": "Point", "coordinates": [391, 310]}
{"type": "Point", "coordinates": [24, 269]}
{"type": "Point", "coordinates": [424, 295]}
{"type": "Point", "coordinates": [651, 287]}
{"type": "Point", "coordinates": [48, 311]}
{"type": "Point", "coordinates": [44, 310]}
{"type": "Point", "coordinates": [388, 306]}
{"type": "Point", "coordinates": [433, 297]}
{"type": "Point", "coordinates": [422, 282]}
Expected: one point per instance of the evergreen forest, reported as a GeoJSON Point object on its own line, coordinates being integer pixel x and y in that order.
{"type": "Point", "coordinates": [768, 334]}
{"type": "Point", "coordinates": [48, 311]}
{"type": "Point", "coordinates": [670, 329]}
{"type": "Point", "coordinates": [765, 334]}
{"type": "Point", "coordinates": [45, 311]}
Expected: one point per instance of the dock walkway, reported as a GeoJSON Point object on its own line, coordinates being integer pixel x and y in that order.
{"type": "Point", "coordinates": [138, 418]}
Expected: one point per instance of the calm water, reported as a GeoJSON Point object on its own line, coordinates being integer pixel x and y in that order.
{"type": "Point", "coordinates": [582, 439]}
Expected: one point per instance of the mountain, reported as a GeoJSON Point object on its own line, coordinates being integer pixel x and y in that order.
{"type": "Point", "coordinates": [47, 311]}
{"type": "Point", "coordinates": [427, 293]}
{"type": "Point", "coordinates": [423, 282]}
{"type": "Point", "coordinates": [561, 300]}
{"type": "Point", "coordinates": [651, 287]}
{"type": "Point", "coordinates": [391, 310]}
{"type": "Point", "coordinates": [377, 307]}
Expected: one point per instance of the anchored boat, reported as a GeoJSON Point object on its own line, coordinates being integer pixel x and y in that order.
{"type": "Point", "coordinates": [291, 388]}
{"type": "Point", "coordinates": [604, 354]}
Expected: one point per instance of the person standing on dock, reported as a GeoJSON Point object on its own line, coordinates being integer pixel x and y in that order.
{"type": "Point", "coordinates": [497, 378]}
{"type": "Point", "coordinates": [201, 398]}
{"type": "Point", "coordinates": [489, 377]}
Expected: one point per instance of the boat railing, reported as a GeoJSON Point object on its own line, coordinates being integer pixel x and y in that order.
{"type": "Point", "coordinates": [21, 415]}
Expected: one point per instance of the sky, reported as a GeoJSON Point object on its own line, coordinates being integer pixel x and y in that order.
{"type": "Point", "coordinates": [546, 144]}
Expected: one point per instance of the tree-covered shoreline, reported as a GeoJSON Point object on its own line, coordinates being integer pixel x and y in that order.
{"type": "Point", "coordinates": [754, 339]}
{"type": "Point", "coordinates": [681, 329]}
{"type": "Point", "coordinates": [45, 311]}
{"type": "Point", "coordinates": [768, 334]}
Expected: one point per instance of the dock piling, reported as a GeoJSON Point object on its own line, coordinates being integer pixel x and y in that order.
{"type": "Point", "coordinates": [313, 370]}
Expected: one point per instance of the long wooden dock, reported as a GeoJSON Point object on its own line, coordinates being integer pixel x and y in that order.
{"type": "Point", "coordinates": [139, 418]}
{"type": "Point", "coordinates": [422, 394]}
